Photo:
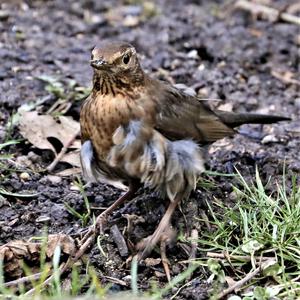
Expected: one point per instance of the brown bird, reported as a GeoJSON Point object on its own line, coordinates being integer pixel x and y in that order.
{"type": "Point", "coordinates": [141, 131]}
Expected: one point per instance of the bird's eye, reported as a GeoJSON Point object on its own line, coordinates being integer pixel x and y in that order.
{"type": "Point", "coordinates": [126, 59]}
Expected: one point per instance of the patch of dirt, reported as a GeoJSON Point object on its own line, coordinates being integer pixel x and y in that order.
{"type": "Point", "coordinates": [221, 53]}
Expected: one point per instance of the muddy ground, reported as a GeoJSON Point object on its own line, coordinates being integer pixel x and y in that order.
{"type": "Point", "coordinates": [249, 63]}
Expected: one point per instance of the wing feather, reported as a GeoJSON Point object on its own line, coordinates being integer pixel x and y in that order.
{"type": "Point", "coordinates": [180, 115]}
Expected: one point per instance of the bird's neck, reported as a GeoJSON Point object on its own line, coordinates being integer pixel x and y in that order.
{"type": "Point", "coordinates": [106, 83]}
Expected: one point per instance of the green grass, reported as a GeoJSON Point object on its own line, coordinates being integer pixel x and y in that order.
{"type": "Point", "coordinates": [84, 217]}
{"type": "Point", "coordinates": [254, 243]}
{"type": "Point", "coordinates": [6, 161]}
{"type": "Point", "coordinates": [6, 156]}
{"type": "Point", "coordinates": [262, 231]}
{"type": "Point", "coordinates": [64, 91]}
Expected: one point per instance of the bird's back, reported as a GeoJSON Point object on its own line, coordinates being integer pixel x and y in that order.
{"type": "Point", "coordinates": [182, 116]}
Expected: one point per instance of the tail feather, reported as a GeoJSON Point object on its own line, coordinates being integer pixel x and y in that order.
{"type": "Point", "coordinates": [236, 119]}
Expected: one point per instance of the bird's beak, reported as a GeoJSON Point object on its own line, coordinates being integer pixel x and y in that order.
{"type": "Point", "coordinates": [98, 63]}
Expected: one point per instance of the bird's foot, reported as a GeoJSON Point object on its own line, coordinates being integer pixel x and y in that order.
{"type": "Point", "coordinates": [164, 259]}
{"type": "Point", "coordinates": [100, 223]}
{"type": "Point", "coordinates": [101, 220]}
{"type": "Point", "coordinates": [90, 233]}
{"type": "Point", "coordinates": [97, 227]}
{"type": "Point", "coordinates": [165, 237]}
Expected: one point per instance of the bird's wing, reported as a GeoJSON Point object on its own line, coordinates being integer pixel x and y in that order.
{"type": "Point", "coordinates": [181, 116]}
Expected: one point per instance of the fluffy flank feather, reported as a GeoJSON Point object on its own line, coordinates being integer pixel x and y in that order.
{"type": "Point", "coordinates": [184, 165]}
{"type": "Point", "coordinates": [93, 171]}
{"type": "Point", "coordinates": [169, 167]}
{"type": "Point", "coordinates": [86, 158]}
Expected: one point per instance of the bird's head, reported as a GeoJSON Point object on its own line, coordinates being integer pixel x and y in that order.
{"type": "Point", "coordinates": [118, 59]}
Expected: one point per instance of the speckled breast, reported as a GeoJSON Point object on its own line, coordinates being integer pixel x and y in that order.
{"type": "Point", "coordinates": [100, 116]}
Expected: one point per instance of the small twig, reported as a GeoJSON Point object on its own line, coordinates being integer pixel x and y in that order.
{"type": "Point", "coordinates": [22, 280]}
{"type": "Point", "coordinates": [239, 283]}
{"type": "Point", "coordinates": [98, 207]}
{"type": "Point", "coordinates": [194, 243]}
{"type": "Point", "coordinates": [205, 220]}
{"type": "Point", "coordinates": [235, 257]}
{"type": "Point", "coordinates": [80, 252]}
{"type": "Point", "coordinates": [270, 12]}
{"type": "Point", "coordinates": [184, 216]}
{"type": "Point", "coordinates": [119, 240]}
{"type": "Point", "coordinates": [90, 232]}
{"type": "Point", "coordinates": [45, 283]}
{"type": "Point", "coordinates": [186, 248]}
{"type": "Point", "coordinates": [63, 151]}
{"type": "Point", "coordinates": [293, 8]}
{"type": "Point", "coordinates": [115, 280]}
{"type": "Point", "coordinates": [193, 251]}
{"type": "Point", "coordinates": [180, 289]}
{"type": "Point", "coordinates": [285, 77]}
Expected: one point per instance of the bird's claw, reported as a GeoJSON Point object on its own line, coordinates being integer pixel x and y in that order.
{"type": "Point", "coordinates": [164, 259]}
{"type": "Point", "coordinates": [100, 223]}
{"type": "Point", "coordinates": [147, 244]}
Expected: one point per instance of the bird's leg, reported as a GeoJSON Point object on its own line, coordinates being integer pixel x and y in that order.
{"type": "Point", "coordinates": [162, 227]}
{"type": "Point", "coordinates": [164, 258]}
{"type": "Point", "coordinates": [101, 219]}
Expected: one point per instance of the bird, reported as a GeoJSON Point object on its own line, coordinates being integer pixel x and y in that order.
{"type": "Point", "coordinates": [139, 131]}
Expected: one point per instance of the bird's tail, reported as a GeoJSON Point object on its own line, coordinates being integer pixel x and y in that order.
{"type": "Point", "coordinates": [232, 119]}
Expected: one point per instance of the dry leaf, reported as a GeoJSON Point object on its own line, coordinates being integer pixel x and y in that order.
{"type": "Point", "coordinates": [14, 253]}
{"type": "Point", "coordinates": [150, 262]}
{"type": "Point", "coordinates": [39, 128]}
{"type": "Point", "coordinates": [72, 158]}
{"type": "Point", "coordinates": [65, 242]}
{"type": "Point", "coordinates": [69, 172]}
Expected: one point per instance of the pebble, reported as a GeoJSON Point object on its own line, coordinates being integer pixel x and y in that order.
{"type": "Point", "coordinates": [5, 229]}
{"type": "Point", "coordinates": [297, 102]}
{"type": "Point", "coordinates": [54, 179]}
{"type": "Point", "coordinates": [74, 188]}
{"type": "Point", "coordinates": [3, 201]}
{"type": "Point", "coordinates": [99, 199]}
{"type": "Point", "coordinates": [33, 157]}
{"type": "Point", "coordinates": [271, 138]}
{"type": "Point", "coordinates": [4, 15]}
{"type": "Point", "coordinates": [24, 176]}
{"type": "Point", "coordinates": [201, 67]}
{"type": "Point", "coordinates": [253, 80]}
{"type": "Point", "coordinates": [127, 278]}
{"type": "Point", "coordinates": [193, 54]}
{"type": "Point", "coordinates": [131, 21]}
{"type": "Point", "coordinates": [233, 196]}
{"type": "Point", "coordinates": [43, 219]}
{"type": "Point", "coordinates": [252, 101]}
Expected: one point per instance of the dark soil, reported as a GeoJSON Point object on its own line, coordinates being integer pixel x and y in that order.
{"type": "Point", "coordinates": [222, 53]}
